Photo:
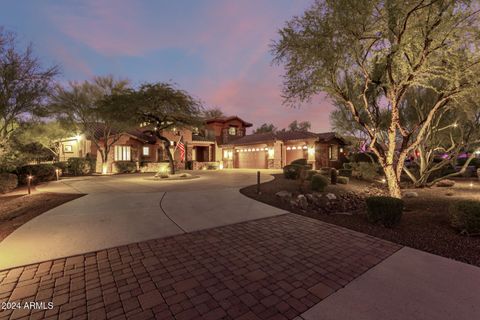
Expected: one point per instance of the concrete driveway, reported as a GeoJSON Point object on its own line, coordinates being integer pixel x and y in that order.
{"type": "Point", "coordinates": [124, 209]}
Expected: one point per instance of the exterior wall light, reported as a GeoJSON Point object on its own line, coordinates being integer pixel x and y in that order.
{"type": "Point", "coordinates": [78, 137]}
{"type": "Point", "coordinates": [172, 143]}
{"type": "Point", "coordinates": [341, 150]}
{"type": "Point", "coordinates": [271, 153]}
{"type": "Point", "coordinates": [289, 148]}
{"type": "Point", "coordinates": [305, 147]}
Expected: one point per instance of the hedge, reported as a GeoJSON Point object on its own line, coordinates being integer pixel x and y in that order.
{"type": "Point", "coordinates": [8, 182]}
{"type": "Point", "coordinates": [465, 216]}
{"type": "Point", "coordinates": [386, 210]}
{"type": "Point", "coordinates": [39, 173]}
{"type": "Point", "coordinates": [125, 167]}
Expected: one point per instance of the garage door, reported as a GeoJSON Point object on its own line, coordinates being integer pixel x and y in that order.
{"type": "Point", "coordinates": [252, 160]}
{"type": "Point", "coordinates": [295, 154]}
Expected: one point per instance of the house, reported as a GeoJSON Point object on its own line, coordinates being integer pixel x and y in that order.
{"type": "Point", "coordinates": [222, 142]}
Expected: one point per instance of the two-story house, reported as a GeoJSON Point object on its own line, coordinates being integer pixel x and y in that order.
{"type": "Point", "coordinates": [222, 143]}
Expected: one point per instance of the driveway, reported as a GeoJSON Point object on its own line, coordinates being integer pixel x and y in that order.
{"type": "Point", "coordinates": [124, 209]}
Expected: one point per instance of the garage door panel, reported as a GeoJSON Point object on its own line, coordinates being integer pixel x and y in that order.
{"type": "Point", "coordinates": [294, 155]}
{"type": "Point", "coordinates": [252, 160]}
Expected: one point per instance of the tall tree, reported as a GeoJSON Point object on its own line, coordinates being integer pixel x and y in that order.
{"type": "Point", "coordinates": [47, 134]}
{"type": "Point", "coordinates": [367, 54]}
{"type": "Point", "coordinates": [24, 85]}
{"type": "Point", "coordinates": [162, 107]}
{"type": "Point", "coordinates": [213, 113]}
{"type": "Point", "coordinates": [299, 126]}
{"type": "Point", "coordinates": [264, 128]}
{"type": "Point", "coordinates": [83, 105]}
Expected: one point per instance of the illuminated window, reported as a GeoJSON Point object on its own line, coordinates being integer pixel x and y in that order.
{"type": "Point", "coordinates": [122, 153]}
{"type": "Point", "coordinates": [146, 151]}
{"type": "Point", "coordinates": [333, 152]}
{"type": "Point", "coordinates": [232, 131]}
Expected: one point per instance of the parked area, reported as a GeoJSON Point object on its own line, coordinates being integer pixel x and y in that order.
{"type": "Point", "coordinates": [425, 223]}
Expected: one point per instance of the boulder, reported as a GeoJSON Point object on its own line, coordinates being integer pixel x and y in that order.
{"type": "Point", "coordinates": [310, 197]}
{"type": "Point", "coordinates": [302, 201]}
{"type": "Point", "coordinates": [410, 194]}
{"type": "Point", "coordinates": [284, 195]}
{"type": "Point", "coordinates": [445, 183]}
{"type": "Point", "coordinates": [331, 196]}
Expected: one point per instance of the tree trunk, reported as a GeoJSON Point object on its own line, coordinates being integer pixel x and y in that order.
{"type": "Point", "coordinates": [169, 155]}
{"type": "Point", "coordinates": [392, 181]}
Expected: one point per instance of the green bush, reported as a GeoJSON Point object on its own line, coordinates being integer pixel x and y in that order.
{"type": "Point", "coordinates": [125, 167]}
{"type": "Point", "coordinates": [302, 162]}
{"type": "Point", "coordinates": [347, 166]}
{"type": "Point", "coordinates": [213, 166]}
{"type": "Point", "coordinates": [310, 174]}
{"type": "Point", "coordinates": [39, 173]}
{"type": "Point", "coordinates": [465, 216]}
{"type": "Point", "coordinates": [345, 172]}
{"type": "Point", "coordinates": [333, 176]}
{"type": "Point", "coordinates": [325, 171]}
{"type": "Point", "coordinates": [62, 166]}
{"type": "Point", "coordinates": [386, 210]}
{"type": "Point", "coordinates": [80, 166]}
{"type": "Point", "coordinates": [8, 182]}
{"type": "Point", "coordinates": [319, 182]}
{"type": "Point", "coordinates": [365, 170]}
{"type": "Point", "coordinates": [292, 171]}
{"type": "Point", "coordinates": [342, 180]}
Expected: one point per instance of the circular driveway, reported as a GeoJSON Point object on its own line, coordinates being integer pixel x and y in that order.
{"type": "Point", "coordinates": [123, 209]}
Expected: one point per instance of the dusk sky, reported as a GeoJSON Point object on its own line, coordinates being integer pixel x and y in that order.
{"type": "Point", "coordinates": [216, 50]}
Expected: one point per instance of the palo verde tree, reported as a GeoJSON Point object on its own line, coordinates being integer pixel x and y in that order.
{"type": "Point", "coordinates": [162, 107]}
{"type": "Point", "coordinates": [24, 86]}
{"type": "Point", "coordinates": [83, 106]}
{"type": "Point", "coordinates": [367, 54]}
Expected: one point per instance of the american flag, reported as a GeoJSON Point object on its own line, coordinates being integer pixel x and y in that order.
{"type": "Point", "coordinates": [181, 147]}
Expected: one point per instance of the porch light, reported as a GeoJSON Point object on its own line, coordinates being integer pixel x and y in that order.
{"type": "Point", "coordinates": [265, 149]}
{"type": "Point", "coordinates": [311, 151]}
{"type": "Point", "coordinates": [257, 149]}
{"type": "Point", "coordinates": [172, 143]}
{"type": "Point", "coordinates": [249, 150]}
{"type": "Point", "coordinates": [305, 147]}
{"type": "Point", "coordinates": [341, 150]}
{"type": "Point", "coordinates": [238, 150]}
{"type": "Point", "coordinates": [294, 148]}
{"type": "Point", "coordinates": [289, 148]}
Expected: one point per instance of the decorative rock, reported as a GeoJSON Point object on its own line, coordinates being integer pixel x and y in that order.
{"type": "Point", "coordinates": [284, 195]}
{"type": "Point", "coordinates": [410, 194]}
{"type": "Point", "coordinates": [445, 183]}
{"type": "Point", "coordinates": [302, 202]}
{"type": "Point", "coordinates": [310, 197]}
{"type": "Point", "coordinates": [331, 196]}
{"type": "Point", "coordinates": [449, 194]}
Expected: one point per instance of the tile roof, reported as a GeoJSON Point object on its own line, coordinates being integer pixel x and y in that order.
{"type": "Point", "coordinates": [281, 135]}
{"type": "Point", "coordinates": [196, 137]}
{"type": "Point", "coordinates": [225, 119]}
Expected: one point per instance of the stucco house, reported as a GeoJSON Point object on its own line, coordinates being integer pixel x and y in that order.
{"type": "Point", "coordinates": [222, 143]}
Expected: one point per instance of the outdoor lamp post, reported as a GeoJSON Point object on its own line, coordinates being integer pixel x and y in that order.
{"type": "Point", "coordinates": [57, 173]}
{"type": "Point", "coordinates": [29, 181]}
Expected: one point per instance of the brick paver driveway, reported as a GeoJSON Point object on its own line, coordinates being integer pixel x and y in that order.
{"type": "Point", "coordinates": [273, 268]}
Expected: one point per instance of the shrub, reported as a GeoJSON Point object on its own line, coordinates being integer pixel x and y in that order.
{"type": "Point", "coordinates": [342, 180]}
{"type": "Point", "coordinates": [319, 182]}
{"type": "Point", "coordinates": [302, 162]}
{"type": "Point", "coordinates": [80, 166]}
{"type": "Point", "coordinates": [345, 172]}
{"type": "Point", "coordinates": [62, 166]}
{"type": "Point", "coordinates": [465, 216]}
{"type": "Point", "coordinates": [386, 210]}
{"type": "Point", "coordinates": [213, 166]}
{"type": "Point", "coordinates": [365, 170]}
{"type": "Point", "coordinates": [363, 157]}
{"type": "Point", "coordinates": [39, 172]}
{"type": "Point", "coordinates": [347, 166]}
{"type": "Point", "coordinates": [310, 174]}
{"type": "Point", "coordinates": [8, 182]}
{"type": "Point", "coordinates": [292, 171]}
{"type": "Point", "coordinates": [125, 167]}
{"type": "Point", "coordinates": [325, 171]}
{"type": "Point", "coordinates": [333, 176]}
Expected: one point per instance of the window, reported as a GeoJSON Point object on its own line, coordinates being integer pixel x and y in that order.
{"type": "Point", "coordinates": [333, 152]}
{"type": "Point", "coordinates": [122, 153]}
{"type": "Point", "coordinates": [146, 151]}
{"type": "Point", "coordinates": [232, 131]}
{"type": "Point", "coordinates": [67, 148]}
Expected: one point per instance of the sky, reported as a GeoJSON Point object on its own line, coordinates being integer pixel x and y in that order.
{"type": "Point", "coordinates": [217, 50]}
